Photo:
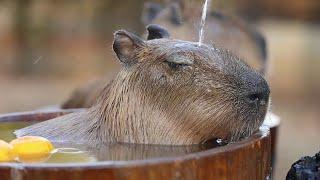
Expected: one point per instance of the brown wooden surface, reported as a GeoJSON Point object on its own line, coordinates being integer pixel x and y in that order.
{"type": "Point", "coordinates": [247, 159]}
{"type": "Point", "coordinates": [274, 141]}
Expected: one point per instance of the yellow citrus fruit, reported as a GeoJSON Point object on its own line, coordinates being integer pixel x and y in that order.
{"type": "Point", "coordinates": [6, 152]}
{"type": "Point", "coordinates": [32, 148]}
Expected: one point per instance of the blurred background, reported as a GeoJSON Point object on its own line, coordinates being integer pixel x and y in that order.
{"type": "Point", "coordinates": [50, 47]}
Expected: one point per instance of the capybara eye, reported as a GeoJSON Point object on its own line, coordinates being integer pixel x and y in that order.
{"type": "Point", "coordinates": [175, 66]}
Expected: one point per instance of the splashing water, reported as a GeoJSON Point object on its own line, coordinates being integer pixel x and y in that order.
{"type": "Point", "coordinates": [203, 21]}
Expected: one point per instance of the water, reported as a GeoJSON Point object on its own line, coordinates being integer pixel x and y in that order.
{"type": "Point", "coordinates": [6, 130]}
{"type": "Point", "coordinates": [203, 21]}
{"type": "Point", "coordinates": [67, 152]}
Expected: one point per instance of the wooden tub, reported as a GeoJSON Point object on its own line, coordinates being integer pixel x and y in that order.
{"type": "Point", "coordinates": [247, 159]}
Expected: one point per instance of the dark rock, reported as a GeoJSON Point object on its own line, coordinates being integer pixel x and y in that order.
{"type": "Point", "coordinates": [307, 168]}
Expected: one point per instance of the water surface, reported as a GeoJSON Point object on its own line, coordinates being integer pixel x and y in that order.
{"type": "Point", "coordinates": [73, 152]}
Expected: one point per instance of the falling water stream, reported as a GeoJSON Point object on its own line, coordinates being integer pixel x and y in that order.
{"type": "Point", "coordinates": [203, 20]}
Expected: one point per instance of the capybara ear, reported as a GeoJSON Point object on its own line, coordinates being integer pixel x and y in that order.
{"type": "Point", "coordinates": [150, 12]}
{"type": "Point", "coordinates": [157, 32]}
{"type": "Point", "coordinates": [125, 45]}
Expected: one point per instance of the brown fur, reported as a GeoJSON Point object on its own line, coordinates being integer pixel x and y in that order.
{"type": "Point", "coordinates": [168, 92]}
{"type": "Point", "coordinates": [85, 96]}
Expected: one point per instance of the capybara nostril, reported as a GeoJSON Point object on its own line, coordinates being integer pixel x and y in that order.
{"type": "Point", "coordinates": [259, 98]}
{"type": "Point", "coordinates": [260, 94]}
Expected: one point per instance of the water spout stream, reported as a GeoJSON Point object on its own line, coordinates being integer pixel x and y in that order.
{"type": "Point", "coordinates": [203, 21]}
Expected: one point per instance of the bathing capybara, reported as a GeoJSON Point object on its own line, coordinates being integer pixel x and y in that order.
{"type": "Point", "coordinates": [167, 92]}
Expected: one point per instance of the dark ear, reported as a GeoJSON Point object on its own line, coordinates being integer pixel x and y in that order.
{"type": "Point", "coordinates": [157, 32]}
{"type": "Point", "coordinates": [125, 45]}
{"type": "Point", "coordinates": [150, 12]}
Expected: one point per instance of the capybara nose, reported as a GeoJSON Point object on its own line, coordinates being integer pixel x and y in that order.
{"type": "Point", "coordinates": [259, 94]}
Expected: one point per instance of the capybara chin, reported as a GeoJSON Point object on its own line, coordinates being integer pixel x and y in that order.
{"type": "Point", "coordinates": [167, 92]}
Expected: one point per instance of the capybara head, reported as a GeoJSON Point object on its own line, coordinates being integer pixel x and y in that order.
{"type": "Point", "coordinates": [201, 90]}
{"type": "Point", "coordinates": [180, 17]}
